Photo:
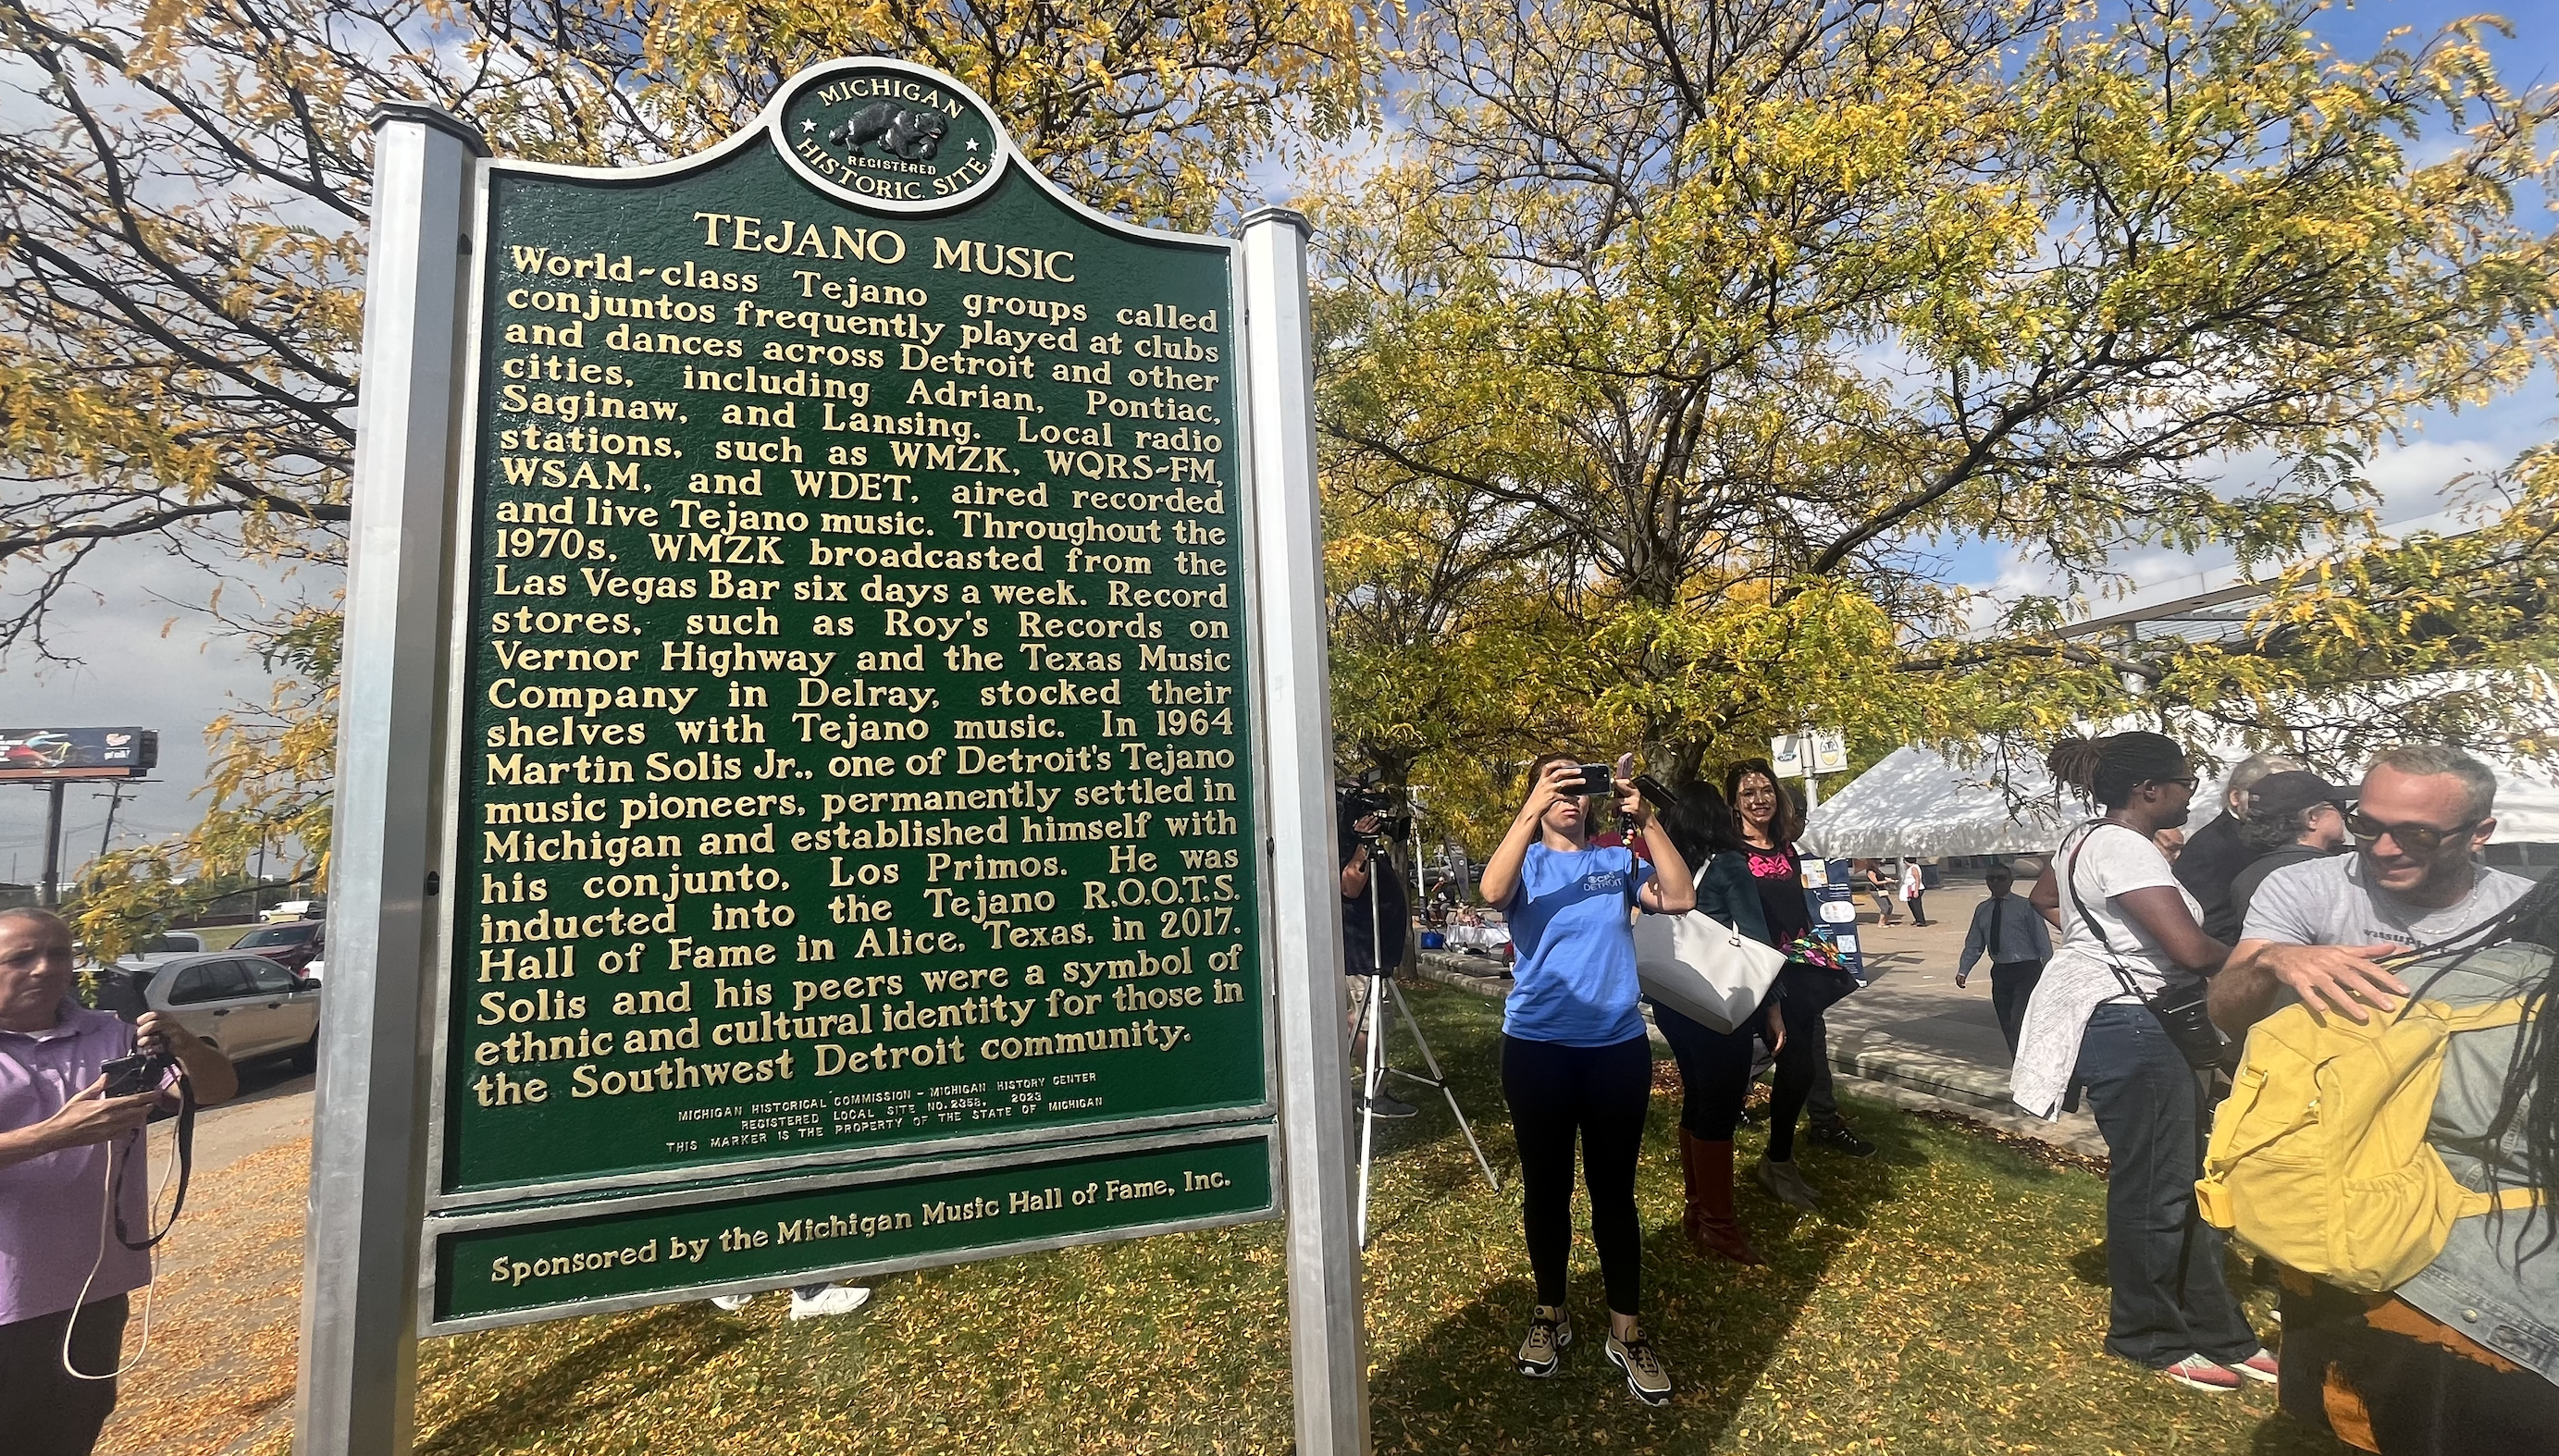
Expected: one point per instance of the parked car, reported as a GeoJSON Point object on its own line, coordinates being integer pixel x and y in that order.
{"type": "Point", "coordinates": [149, 954]}
{"type": "Point", "coordinates": [245, 1006]}
{"type": "Point", "coordinates": [290, 910]}
{"type": "Point", "coordinates": [292, 945]}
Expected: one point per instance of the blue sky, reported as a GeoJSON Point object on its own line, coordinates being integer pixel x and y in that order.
{"type": "Point", "coordinates": [177, 680]}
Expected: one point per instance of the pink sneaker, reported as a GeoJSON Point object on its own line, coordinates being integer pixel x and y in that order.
{"type": "Point", "coordinates": [2198, 1373]}
{"type": "Point", "coordinates": [2259, 1366]}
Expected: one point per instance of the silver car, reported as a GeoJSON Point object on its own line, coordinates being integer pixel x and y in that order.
{"type": "Point", "coordinates": [244, 1004]}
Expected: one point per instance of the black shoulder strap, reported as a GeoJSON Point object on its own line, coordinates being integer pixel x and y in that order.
{"type": "Point", "coordinates": [2069, 887]}
{"type": "Point", "coordinates": [186, 1168]}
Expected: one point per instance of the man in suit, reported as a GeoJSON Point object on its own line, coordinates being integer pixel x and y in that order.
{"type": "Point", "coordinates": [2013, 935]}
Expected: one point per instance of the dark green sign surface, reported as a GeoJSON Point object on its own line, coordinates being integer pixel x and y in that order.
{"type": "Point", "coordinates": [856, 758]}
{"type": "Point", "coordinates": [518, 1268]}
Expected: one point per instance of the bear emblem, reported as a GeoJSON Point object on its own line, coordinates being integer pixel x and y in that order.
{"type": "Point", "coordinates": [912, 136]}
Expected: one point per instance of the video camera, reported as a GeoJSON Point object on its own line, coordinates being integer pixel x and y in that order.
{"type": "Point", "coordinates": [1353, 803]}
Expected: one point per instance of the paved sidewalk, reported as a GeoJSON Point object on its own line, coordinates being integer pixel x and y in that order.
{"type": "Point", "coordinates": [218, 1376]}
{"type": "Point", "coordinates": [1911, 1037]}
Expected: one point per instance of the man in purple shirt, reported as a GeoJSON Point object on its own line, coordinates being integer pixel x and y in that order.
{"type": "Point", "coordinates": [62, 1267]}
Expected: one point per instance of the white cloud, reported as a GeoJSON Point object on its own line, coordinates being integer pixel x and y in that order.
{"type": "Point", "coordinates": [132, 675]}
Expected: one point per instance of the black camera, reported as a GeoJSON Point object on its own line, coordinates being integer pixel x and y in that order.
{"type": "Point", "coordinates": [140, 1072]}
{"type": "Point", "coordinates": [1353, 803]}
{"type": "Point", "coordinates": [1358, 803]}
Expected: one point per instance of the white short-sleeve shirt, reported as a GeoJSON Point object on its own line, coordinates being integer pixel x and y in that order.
{"type": "Point", "coordinates": [2098, 864]}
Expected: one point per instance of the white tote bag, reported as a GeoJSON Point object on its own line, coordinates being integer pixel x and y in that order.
{"type": "Point", "coordinates": [1703, 969]}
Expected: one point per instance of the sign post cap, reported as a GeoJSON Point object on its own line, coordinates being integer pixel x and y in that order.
{"type": "Point", "coordinates": [1288, 216]}
{"type": "Point", "coordinates": [427, 113]}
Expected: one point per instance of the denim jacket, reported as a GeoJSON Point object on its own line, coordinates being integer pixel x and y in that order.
{"type": "Point", "coordinates": [2493, 1281]}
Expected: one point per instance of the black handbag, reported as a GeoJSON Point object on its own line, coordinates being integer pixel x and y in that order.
{"type": "Point", "coordinates": [2179, 1010]}
{"type": "Point", "coordinates": [1813, 989]}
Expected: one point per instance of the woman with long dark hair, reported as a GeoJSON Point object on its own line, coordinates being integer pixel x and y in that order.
{"type": "Point", "coordinates": [2421, 1370]}
{"type": "Point", "coordinates": [2128, 933]}
{"type": "Point", "coordinates": [1575, 1061]}
{"type": "Point", "coordinates": [1714, 1065]}
{"type": "Point", "coordinates": [1764, 819]}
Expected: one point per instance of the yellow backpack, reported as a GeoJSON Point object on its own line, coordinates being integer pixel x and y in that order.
{"type": "Point", "coordinates": [2319, 1157]}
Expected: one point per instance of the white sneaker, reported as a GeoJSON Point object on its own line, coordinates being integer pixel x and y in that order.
{"type": "Point", "coordinates": [834, 1299]}
{"type": "Point", "coordinates": [731, 1302]}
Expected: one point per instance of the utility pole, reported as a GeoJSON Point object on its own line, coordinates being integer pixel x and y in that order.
{"type": "Point", "coordinates": [114, 800]}
{"type": "Point", "coordinates": [51, 893]}
{"type": "Point", "coordinates": [1812, 780]}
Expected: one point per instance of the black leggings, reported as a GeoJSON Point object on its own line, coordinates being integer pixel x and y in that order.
{"type": "Point", "coordinates": [1714, 1068]}
{"type": "Point", "coordinates": [1602, 1092]}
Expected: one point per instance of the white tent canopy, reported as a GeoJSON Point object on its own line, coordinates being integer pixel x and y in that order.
{"type": "Point", "coordinates": [1917, 802]}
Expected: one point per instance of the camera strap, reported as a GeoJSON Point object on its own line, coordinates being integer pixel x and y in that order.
{"type": "Point", "coordinates": [186, 1168]}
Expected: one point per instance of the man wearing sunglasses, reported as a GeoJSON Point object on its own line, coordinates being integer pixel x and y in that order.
{"type": "Point", "coordinates": [2319, 932]}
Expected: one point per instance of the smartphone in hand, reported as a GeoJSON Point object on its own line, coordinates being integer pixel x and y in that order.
{"type": "Point", "coordinates": [1597, 779]}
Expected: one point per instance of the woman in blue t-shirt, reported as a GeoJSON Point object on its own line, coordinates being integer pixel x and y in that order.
{"type": "Point", "coordinates": [1574, 1060]}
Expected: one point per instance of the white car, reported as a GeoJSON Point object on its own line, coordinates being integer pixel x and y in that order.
{"type": "Point", "coordinates": [243, 1004]}
{"type": "Point", "coordinates": [289, 909]}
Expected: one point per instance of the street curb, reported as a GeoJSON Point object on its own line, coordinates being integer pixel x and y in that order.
{"type": "Point", "coordinates": [1481, 974]}
{"type": "Point", "coordinates": [2083, 1140]}
{"type": "Point", "coordinates": [1881, 1057]}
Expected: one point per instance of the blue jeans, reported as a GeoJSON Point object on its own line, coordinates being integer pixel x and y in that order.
{"type": "Point", "coordinates": [2162, 1261]}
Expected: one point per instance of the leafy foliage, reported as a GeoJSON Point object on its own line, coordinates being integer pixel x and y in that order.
{"type": "Point", "coordinates": [1741, 314]}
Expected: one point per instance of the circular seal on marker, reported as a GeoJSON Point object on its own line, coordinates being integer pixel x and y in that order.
{"type": "Point", "coordinates": [889, 135]}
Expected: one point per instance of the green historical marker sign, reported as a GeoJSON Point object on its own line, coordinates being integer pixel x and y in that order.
{"type": "Point", "coordinates": [852, 752]}
{"type": "Point", "coordinates": [495, 1270]}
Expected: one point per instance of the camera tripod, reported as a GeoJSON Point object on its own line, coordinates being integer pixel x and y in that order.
{"type": "Point", "coordinates": [1374, 1069]}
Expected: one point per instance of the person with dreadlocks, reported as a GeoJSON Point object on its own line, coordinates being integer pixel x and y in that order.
{"type": "Point", "coordinates": [2462, 1357]}
{"type": "Point", "coordinates": [2129, 933]}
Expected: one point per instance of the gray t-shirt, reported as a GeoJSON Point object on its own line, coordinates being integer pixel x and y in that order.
{"type": "Point", "coordinates": [2327, 901]}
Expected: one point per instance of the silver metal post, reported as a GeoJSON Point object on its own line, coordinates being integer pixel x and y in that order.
{"type": "Point", "coordinates": [1326, 1334]}
{"type": "Point", "coordinates": [368, 1176]}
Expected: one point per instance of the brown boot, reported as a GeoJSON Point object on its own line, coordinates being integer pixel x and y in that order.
{"type": "Point", "coordinates": [1709, 1222]}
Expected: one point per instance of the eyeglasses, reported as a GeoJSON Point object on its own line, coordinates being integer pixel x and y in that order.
{"type": "Point", "coordinates": [2415, 838]}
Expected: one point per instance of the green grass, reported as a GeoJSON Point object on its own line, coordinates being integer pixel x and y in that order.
{"type": "Point", "coordinates": [1949, 1300]}
{"type": "Point", "coordinates": [222, 938]}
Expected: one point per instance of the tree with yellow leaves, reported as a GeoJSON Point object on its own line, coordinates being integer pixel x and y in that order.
{"type": "Point", "coordinates": [182, 248]}
{"type": "Point", "coordinates": [1755, 306]}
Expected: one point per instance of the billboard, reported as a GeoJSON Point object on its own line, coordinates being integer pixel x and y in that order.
{"type": "Point", "coordinates": [78, 753]}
